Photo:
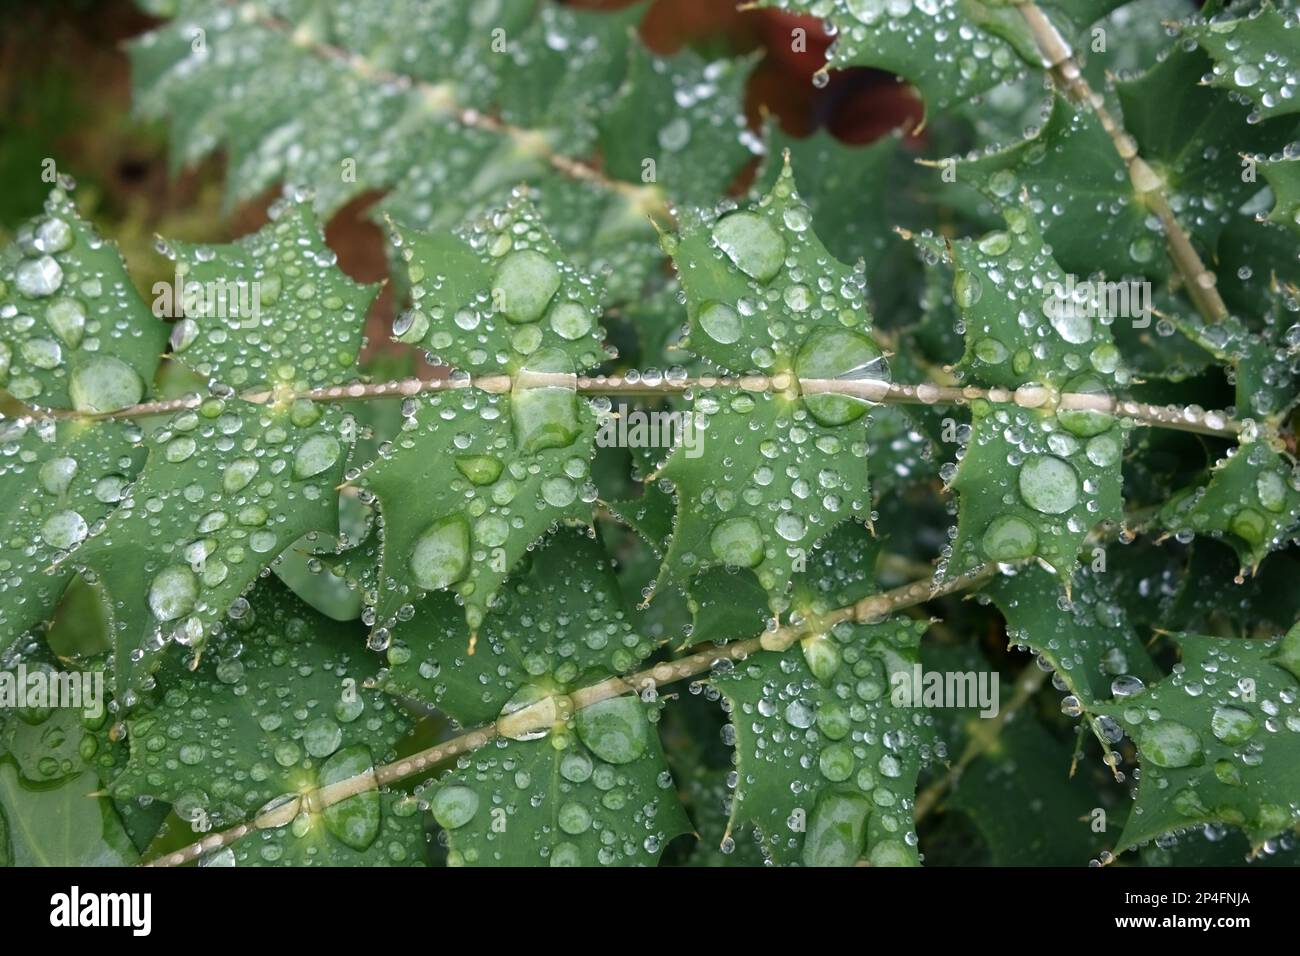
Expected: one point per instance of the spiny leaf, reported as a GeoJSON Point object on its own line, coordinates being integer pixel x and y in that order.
{"type": "Point", "coordinates": [73, 331]}
{"type": "Point", "coordinates": [1218, 740]}
{"type": "Point", "coordinates": [1072, 174]}
{"type": "Point", "coordinates": [762, 292]}
{"type": "Point", "coordinates": [827, 761]}
{"type": "Point", "coordinates": [225, 489]}
{"type": "Point", "coordinates": [559, 623]}
{"type": "Point", "coordinates": [1283, 177]}
{"type": "Point", "coordinates": [487, 299]}
{"type": "Point", "coordinates": [950, 50]}
{"type": "Point", "coordinates": [593, 788]}
{"type": "Point", "coordinates": [1255, 56]}
{"type": "Point", "coordinates": [1261, 364]}
{"type": "Point", "coordinates": [1034, 477]}
{"type": "Point", "coordinates": [271, 309]}
{"type": "Point", "coordinates": [57, 481]}
{"type": "Point", "coordinates": [1250, 500]}
{"type": "Point", "coordinates": [675, 121]}
{"type": "Point", "coordinates": [1088, 641]}
{"type": "Point", "coordinates": [272, 714]}
{"type": "Point", "coordinates": [472, 482]}
{"type": "Point", "coordinates": [1195, 137]}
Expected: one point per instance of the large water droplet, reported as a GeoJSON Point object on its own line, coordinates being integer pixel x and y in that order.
{"type": "Point", "coordinates": [173, 593]}
{"type": "Point", "coordinates": [1170, 744]}
{"type": "Point", "coordinates": [615, 730]}
{"type": "Point", "coordinates": [719, 322]}
{"type": "Point", "coordinates": [354, 821]}
{"type": "Point", "coordinates": [1009, 538]}
{"type": "Point", "coordinates": [844, 355]}
{"type": "Point", "coordinates": [737, 542]}
{"type": "Point", "coordinates": [103, 383]}
{"type": "Point", "coordinates": [316, 455]}
{"type": "Point", "coordinates": [1233, 725]}
{"type": "Point", "coordinates": [441, 554]}
{"type": "Point", "coordinates": [752, 243]}
{"type": "Point", "coordinates": [837, 829]}
{"type": "Point", "coordinates": [1049, 484]}
{"type": "Point", "coordinates": [544, 410]}
{"type": "Point", "coordinates": [525, 284]}
{"type": "Point", "coordinates": [454, 806]}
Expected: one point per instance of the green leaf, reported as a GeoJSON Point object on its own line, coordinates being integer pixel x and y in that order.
{"type": "Point", "coordinates": [499, 292]}
{"type": "Point", "coordinates": [225, 489]}
{"type": "Point", "coordinates": [1261, 364]}
{"type": "Point", "coordinates": [1194, 137]}
{"type": "Point", "coordinates": [1035, 477]}
{"type": "Point", "coordinates": [599, 795]}
{"type": "Point", "coordinates": [762, 292]}
{"type": "Point", "coordinates": [59, 825]}
{"type": "Point", "coordinates": [1077, 181]}
{"type": "Point", "coordinates": [677, 122]}
{"type": "Point", "coordinates": [1088, 642]}
{"type": "Point", "coordinates": [592, 788]}
{"type": "Point", "coordinates": [1217, 740]}
{"type": "Point", "coordinates": [74, 333]}
{"type": "Point", "coordinates": [785, 482]}
{"type": "Point", "coordinates": [1283, 177]}
{"type": "Point", "coordinates": [57, 481]}
{"type": "Point", "coordinates": [1249, 500]}
{"type": "Point", "coordinates": [827, 761]}
{"type": "Point", "coordinates": [950, 50]}
{"type": "Point", "coordinates": [273, 714]}
{"type": "Point", "coordinates": [472, 482]}
{"type": "Point", "coordinates": [560, 623]}
{"type": "Point", "coordinates": [271, 309]}
{"type": "Point", "coordinates": [1253, 56]}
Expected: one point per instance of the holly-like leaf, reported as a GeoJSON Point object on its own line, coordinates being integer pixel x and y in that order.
{"type": "Point", "coordinates": [590, 786]}
{"type": "Point", "coordinates": [675, 122]}
{"type": "Point", "coordinates": [1250, 500]}
{"type": "Point", "coordinates": [1035, 476]}
{"type": "Point", "coordinates": [271, 310]}
{"type": "Point", "coordinates": [1283, 177]}
{"type": "Point", "coordinates": [763, 293]}
{"type": "Point", "coordinates": [1217, 739]}
{"type": "Point", "coordinates": [57, 481]}
{"type": "Point", "coordinates": [500, 291]}
{"type": "Point", "coordinates": [224, 490]}
{"type": "Point", "coordinates": [827, 761]}
{"type": "Point", "coordinates": [275, 712]}
{"type": "Point", "coordinates": [950, 50]}
{"type": "Point", "coordinates": [1089, 642]}
{"type": "Point", "coordinates": [559, 623]}
{"type": "Point", "coordinates": [73, 331]}
{"type": "Point", "coordinates": [1254, 56]}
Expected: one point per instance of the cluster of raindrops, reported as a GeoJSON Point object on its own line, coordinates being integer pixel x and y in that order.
{"type": "Point", "coordinates": [590, 790]}
{"type": "Point", "coordinates": [934, 43]}
{"type": "Point", "coordinates": [72, 329]}
{"type": "Point", "coordinates": [1205, 734]}
{"type": "Point", "coordinates": [272, 716]}
{"type": "Point", "coordinates": [1250, 58]}
{"type": "Point", "coordinates": [554, 624]}
{"type": "Point", "coordinates": [479, 477]}
{"type": "Point", "coordinates": [228, 486]}
{"type": "Point", "coordinates": [72, 481]}
{"type": "Point", "coordinates": [825, 716]}
{"type": "Point", "coordinates": [272, 309]}
{"type": "Point", "coordinates": [498, 296]}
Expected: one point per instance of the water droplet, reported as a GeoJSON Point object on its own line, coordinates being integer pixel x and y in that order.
{"type": "Point", "coordinates": [525, 284]}
{"type": "Point", "coordinates": [355, 821]}
{"type": "Point", "coordinates": [844, 355]}
{"type": "Point", "coordinates": [720, 322]}
{"type": "Point", "coordinates": [616, 730]}
{"type": "Point", "coordinates": [737, 542]}
{"type": "Point", "coordinates": [1009, 538]}
{"type": "Point", "coordinates": [837, 829]}
{"type": "Point", "coordinates": [1170, 744]}
{"type": "Point", "coordinates": [173, 593]}
{"type": "Point", "coordinates": [316, 455]}
{"type": "Point", "coordinates": [103, 383]}
{"type": "Point", "coordinates": [752, 243]}
{"type": "Point", "coordinates": [441, 554]}
{"type": "Point", "coordinates": [1049, 484]}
